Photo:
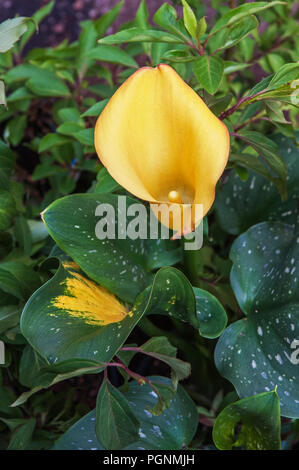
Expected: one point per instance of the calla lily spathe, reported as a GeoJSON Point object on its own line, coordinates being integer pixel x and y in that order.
{"type": "Point", "coordinates": [159, 140]}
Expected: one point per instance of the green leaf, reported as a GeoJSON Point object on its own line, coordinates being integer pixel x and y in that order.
{"type": "Point", "coordinates": [30, 364]}
{"type": "Point", "coordinates": [164, 394]}
{"type": "Point", "coordinates": [201, 27]}
{"type": "Point", "coordinates": [190, 21]}
{"type": "Point", "coordinates": [140, 35]}
{"type": "Point", "coordinates": [87, 40]}
{"type": "Point", "coordinates": [230, 36]}
{"type": "Point", "coordinates": [275, 112]}
{"type": "Point", "coordinates": [112, 54]}
{"type": "Point", "coordinates": [52, 140]}
{"type": "Point", "coordinates": [243, 11]}
{"type": "Point", "coordinates": [9, 317]}
{"type": "Point", "coordinates": [116, 425]}
{"type": "Point", "coordinates": [85, 137]}
{"type": "Point", "coordinates": [108, 19]}
{"type": "Point", "coordinates": [259, 418]}
{"type": "Point", "coordinates": [209, 72]}
{"type": "Point", "coordinates": [231, 67]}
{"type": "Point", "coordinates": [22, 436]}
{"type": "Point", "coordinates": [37, 17]}
{"type": "Point", "coordinates": [7, 209]}
{"type": "Point", "coordinates": [105, 183]}
{"type": "Point", "coordinates": [217, 105]}
{"type": "Point", "coordinates": [41, 377]}
{"type": "Point", "coordinates": [178, 55]}
{"type": "Point", "coordinates": [11, 31]}
{"type": "Point", "coordinates": [166, 18]}
{"type": "Point", "coordinates": [70, 114]}
{"type": "Point", "coordinates": [69, 334]}
{"type": "Point", "coordinates": [211, 315]}
{"type": "Point", "coordinates": [285, 74]}
{"type": "Point", "coordinates": [96, 109]}
{"type": "Point", "coordinates": [160, 348]}
{"type": "Point", "coordinates": [19, 94]}
{"type": "Point", "coordinates": [242, 204]}
{"type": "Point", "coordinates": [281, 86]}
{"type": "Point", "coordinates": [69, 128]}
{"type": "Point", "coordinates": [160, 253]}
{"type": "Point", "coordinates": [268, 150]}
{"type": "Point", "coordinates": [71, 221]}
{"type": "Point", "coordinates": [7, 161]}
{"type": "Point", "coordinates": [38, 231]}
{"type": "Point", "coordinates": [193, 305]}
{"type": "Point", "coordinates": [52, 86]}
{"type": "Point", "coordinates": [142, 15]}
{"type": "Point", "coordinates": [16, 129]}
{"type": "Point", "coordinates": [173, 429]}
{"type": "Point", "coordinates": [45, 170]}
{"type": "Point", "coordinates": [25, 72]}
{"type": "Point", "coordinates": [257, 353]}
{"type": "Point", "coordinates": [18, 279]}
{"type": "Point", "coordinates": [6, 399]}
{"type": "Point", "coordinates": [171, 294]}
{"type": "Point", "coordinates": [23, 234]}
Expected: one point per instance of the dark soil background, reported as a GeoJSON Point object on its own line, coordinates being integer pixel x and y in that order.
{"type": "Point", "coordinates": [65, 18]}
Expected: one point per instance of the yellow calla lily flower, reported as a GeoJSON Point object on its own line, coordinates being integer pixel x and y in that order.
{"type": "Point", "coordinates": [159, 140]}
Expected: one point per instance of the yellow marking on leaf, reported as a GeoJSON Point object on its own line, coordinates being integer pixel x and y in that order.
{"type": "Point", "coordinates": [71, 265]}
{"type": "Point", "coordinates": [86, 300]}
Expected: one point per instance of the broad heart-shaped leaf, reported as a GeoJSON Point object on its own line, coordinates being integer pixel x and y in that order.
{"type": "Point", "coordinates": [119, 264]}
{"type": "Point", "coordinates": [116, 425]}
{"type": "Point", "coordinates": [173, 429]}
{"type": "Point", "coordinates": [170, 294]}
{"type": "Point", "coordinates": [259, 417]}
{"type": "Point", "coordinates": [257, 353]}
{"type": "Point", "coordinates": [211, 316]}
{"type": "Point", "coordinates": [209, 72]}
{"type": "Point", "coordinates": [186, 303]}
{"type": "Point", "coordinates": [241, 204]}
{"type": "Point", "coordinates": [65, 332]}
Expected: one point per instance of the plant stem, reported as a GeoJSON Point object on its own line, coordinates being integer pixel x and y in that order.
{"type": "Point", "coordinates": [140, 379]}
{"type": "Point", "coordinates": [190, 265]}
{"type": "Point", "coordinates": [234, 108]}
{"type": "Point", "coordinates": [259, 117]}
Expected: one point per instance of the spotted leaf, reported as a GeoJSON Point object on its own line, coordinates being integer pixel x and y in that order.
{"type": "Point", "coordinates": [260, 351]}
{"type": "Point", "coordinates": [173, 429]}
{"type": "Point", "coordinates": [117, 264]}
{"type": "Point", "coordinates": [258, 420]}
{"type": "Point", "coordinates": [241, 204]}
{"type": "Point", "coordinates": [71, 317]}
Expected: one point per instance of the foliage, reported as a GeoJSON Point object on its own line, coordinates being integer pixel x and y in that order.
{"type": "Point", "coordinates": [244, 65]}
